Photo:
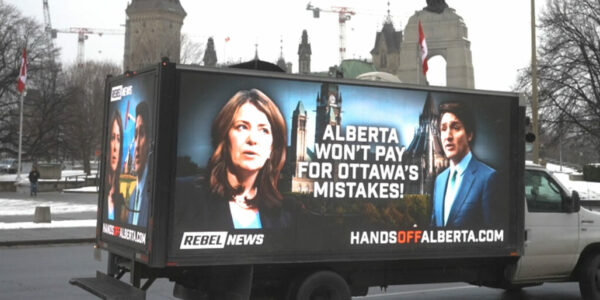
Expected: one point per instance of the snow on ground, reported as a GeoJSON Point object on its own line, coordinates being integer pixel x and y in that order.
{"type": "Point", "coordinates": [65, 175]}
{"type": "Point", "coordinates": [21, 207]}
{"type": "Point", "coordinates": [53, 224]}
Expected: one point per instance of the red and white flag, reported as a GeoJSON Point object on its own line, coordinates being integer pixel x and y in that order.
{"type": "Point", "coordinates": [423, 49]}
{"type": "Point", "coordinates": [227, 39]}
{"type": "Point", "coordinates": [22, 79]}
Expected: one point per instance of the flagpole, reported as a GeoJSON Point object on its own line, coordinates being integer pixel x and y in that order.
{"type": "Point", "coordinates": [18, 179]}
{"type": "Point", "coordinates": [419, 62]}
{"type": "Point", "coordinates": [22, 88]}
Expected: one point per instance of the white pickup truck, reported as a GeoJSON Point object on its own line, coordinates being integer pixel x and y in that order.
{"type": "Point", "coordinates": [561, 237]}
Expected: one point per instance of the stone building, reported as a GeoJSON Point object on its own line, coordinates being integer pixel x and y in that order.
{"type": "Point", "coordinates": [304, 53]}
{"type": "Point", "coordinates": [152, 31]}
{"type": "Point", "coordinates": [285, 66]}
{"type": "Point", "coordinates": [210, 55]}
{"type": "Point", "coordinates": [386, 52]}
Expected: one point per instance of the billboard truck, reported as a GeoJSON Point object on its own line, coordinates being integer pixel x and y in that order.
{"type": "Point", "coordinates": [241, 183]}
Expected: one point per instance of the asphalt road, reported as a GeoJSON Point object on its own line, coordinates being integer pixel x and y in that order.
{"type": "Point", "coordinates": [43, 272]}
{"type": "Point", "coordinates": [460, 291]}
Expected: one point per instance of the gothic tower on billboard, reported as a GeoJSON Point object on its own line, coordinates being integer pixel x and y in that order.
{"type": "Point", "coordinates": [328, 113]}
{"type": "Point", "coordinates": [426, 150]}
{"type": "Point", "coordinates": [299, 119]}
{"type": "Point", "coordinates": [329, 109]}
{"type": "Point", "coordinates": [298, 150]}
{"type": "Point", "coordinates": [152, 31]}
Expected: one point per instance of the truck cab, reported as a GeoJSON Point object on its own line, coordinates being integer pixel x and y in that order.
{"type": "Point", "coordinates": [561, 237]}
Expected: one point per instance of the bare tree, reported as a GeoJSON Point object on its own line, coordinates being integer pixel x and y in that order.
{"type": "Point", "coordinates": [83, 112]}
{"type": "Point", "coordinates": [569, 72]}
{"type": "Point", "coordinates": [18, 32]}
{"type": "Point", "coordinates": [191, 51]}
{"type": "Point", "coordinates": [43, 113]}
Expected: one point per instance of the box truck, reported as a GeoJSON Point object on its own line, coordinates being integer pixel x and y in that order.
{"type": "Point", "coordinates": [238, 184]}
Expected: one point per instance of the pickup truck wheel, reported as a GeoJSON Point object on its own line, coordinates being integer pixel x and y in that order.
{"type": "Point", "coordinates": [589, 278]}
{"type": "Point", "coordinates": [323, 285]}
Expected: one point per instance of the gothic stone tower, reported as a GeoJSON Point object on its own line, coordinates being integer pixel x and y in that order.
{"type": "Point", "coordinates": [386, 52]}
{"type": "Point", "coordinates": [281, 61]}
{"type": "Point", "coordinates": [210, 55]}
{"type": "Point", "coordinates": [153, 30]}
{"type": "Point", "coordinates": [304, 53]}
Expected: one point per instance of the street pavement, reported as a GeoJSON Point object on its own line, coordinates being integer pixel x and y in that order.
{"type": "Point", "coordinates": [72, 215]}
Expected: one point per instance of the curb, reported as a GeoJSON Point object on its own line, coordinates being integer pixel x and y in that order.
{"type": "Point", "coordinates": [47, 242]}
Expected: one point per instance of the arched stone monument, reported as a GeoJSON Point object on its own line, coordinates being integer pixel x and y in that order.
{"type": "Point", "coordinates": [446, 35]}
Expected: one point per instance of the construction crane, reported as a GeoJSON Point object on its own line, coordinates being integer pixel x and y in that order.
{"type": "Point", "coordinates": [344, 14]}
{"type": "Point", "coordinates": [82, 33]}
{"type": "Point", "coordinates": [47, 23]}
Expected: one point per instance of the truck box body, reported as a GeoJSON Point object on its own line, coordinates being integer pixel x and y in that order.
{"type": "Point", "coordinates": [357, 180]}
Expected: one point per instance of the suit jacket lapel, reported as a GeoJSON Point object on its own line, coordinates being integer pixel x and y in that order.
{"type": "Point", "coordinates": [440, 191]}
{"type": "Point", "coordinates": [463, 191]}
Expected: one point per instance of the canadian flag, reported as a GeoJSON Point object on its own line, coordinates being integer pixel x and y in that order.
{"type": "Point", "coordinates": [423, 49]}
{"type": "Point", "coordinates": [22, 79]}
{"type": "Point", "coordinates": [227, 39]}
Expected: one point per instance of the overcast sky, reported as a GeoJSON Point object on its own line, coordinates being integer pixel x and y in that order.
{"type": "Point", "coordinates": [499, 31]}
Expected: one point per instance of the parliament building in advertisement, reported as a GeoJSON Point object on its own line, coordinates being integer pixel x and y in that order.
{"type": "Point", "coordinates": [426, 150]}
{"type": "Point", "coordinates": [329, 112]}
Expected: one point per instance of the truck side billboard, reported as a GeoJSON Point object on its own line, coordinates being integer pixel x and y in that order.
{"type": "Point", "coordinates": [128, 167]}
{"type": "Point", "coordinates": [276, 169]}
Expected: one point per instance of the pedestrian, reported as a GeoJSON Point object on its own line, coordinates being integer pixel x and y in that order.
{"type": "Point", "coordinates": [34, 175]}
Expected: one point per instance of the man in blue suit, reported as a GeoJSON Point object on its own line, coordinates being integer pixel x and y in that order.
{"type": "Point", "coordinates": [464, 194]}
{"type": "Point", "coordinates": [138, 202]}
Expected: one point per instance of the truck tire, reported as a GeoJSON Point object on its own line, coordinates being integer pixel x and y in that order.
{"type": "Point", "coordinates": [589, 278]}
{"type": "Point", "coordinates": [322, 285]}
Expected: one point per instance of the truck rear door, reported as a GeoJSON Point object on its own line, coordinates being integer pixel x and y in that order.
{"type": "Point", "coordinates": [551, 231]}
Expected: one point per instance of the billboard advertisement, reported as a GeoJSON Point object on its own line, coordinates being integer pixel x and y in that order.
{"type": "Point", "coordinates": [126, 193]}
{"type": "Point", "coordinates": [274, 167]}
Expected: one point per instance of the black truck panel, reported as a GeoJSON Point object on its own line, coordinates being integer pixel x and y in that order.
{"type": "Point", "coordinates": [351, 171]}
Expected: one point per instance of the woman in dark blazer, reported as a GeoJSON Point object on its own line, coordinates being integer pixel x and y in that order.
{"type": "Point", "coordinates": [249, 140]}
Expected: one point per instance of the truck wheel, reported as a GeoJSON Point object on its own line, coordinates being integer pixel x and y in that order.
{"type": "Point", "coordinates": [589, 278]}
{"type": "Point", "coordinates": [323, 285]}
